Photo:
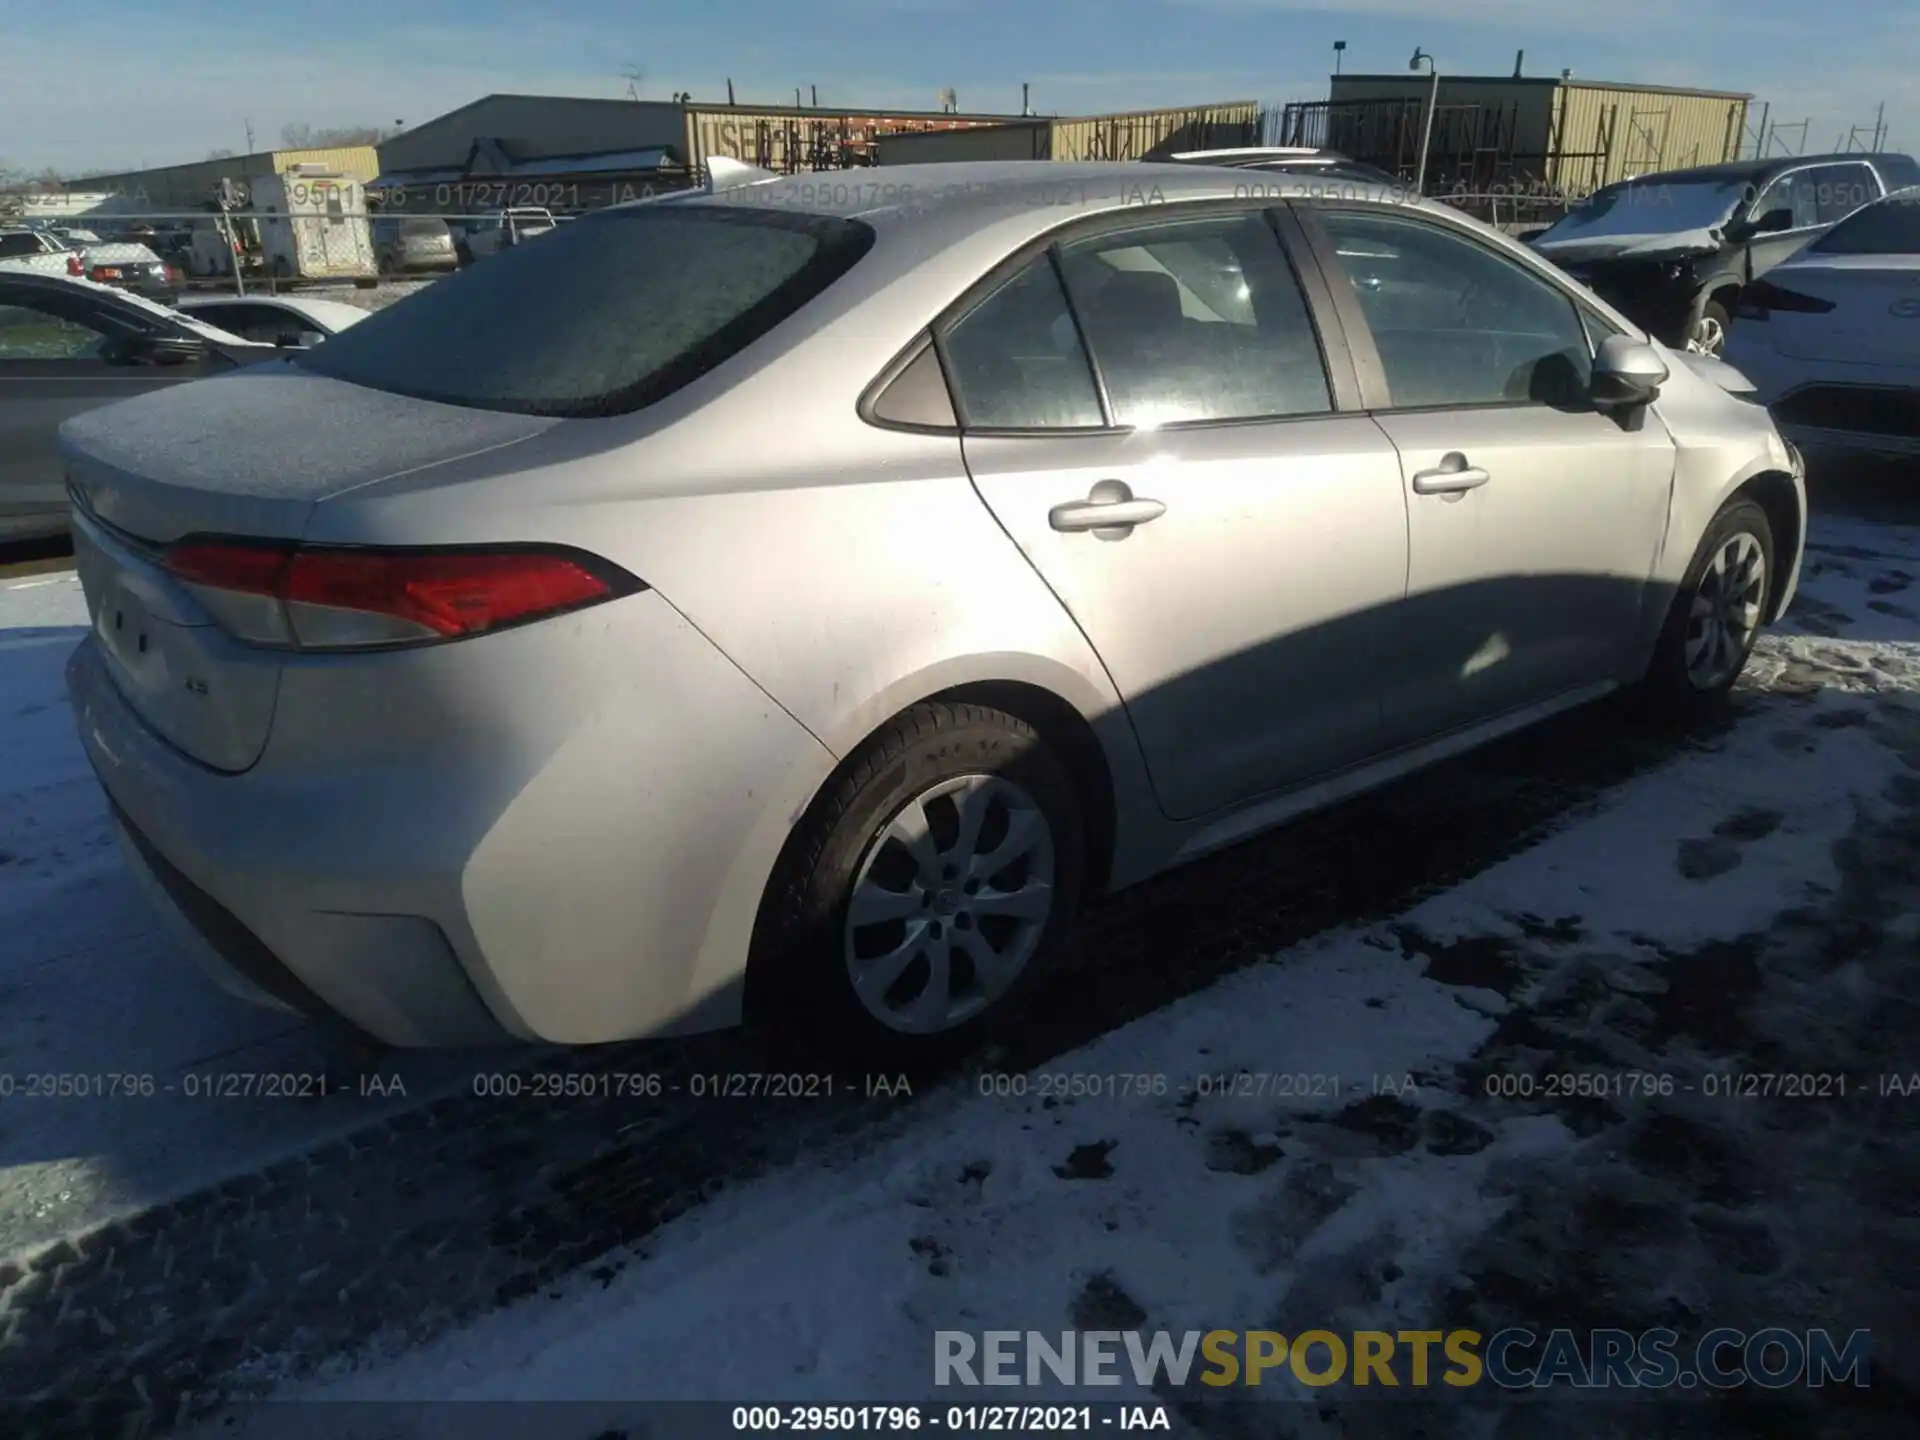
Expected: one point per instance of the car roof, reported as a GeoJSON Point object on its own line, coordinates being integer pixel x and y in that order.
{"type": "Point", "coordinates": [1734, 171]}
{"type": "Point", "coordinates": [958, 199]}
{"type": "Point", "coordinates": [334, 314]}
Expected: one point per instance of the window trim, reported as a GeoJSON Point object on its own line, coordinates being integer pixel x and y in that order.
{"type": "Point", "coordinates": [1360, 334]}
{"type": "Point", "coordinates": [1754, 212]}
{"type": "Point", "coordinates": [867, 406]}
{"type": "Point", "coordinates": [1345, 389]}
{"type": "Point", "coordinates": [840, 244]}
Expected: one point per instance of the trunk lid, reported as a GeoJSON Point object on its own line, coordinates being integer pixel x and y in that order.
{"type": "Point", "coordinates": [247, 454]}
{"type": "Point", "coordinates": [1874, 317]}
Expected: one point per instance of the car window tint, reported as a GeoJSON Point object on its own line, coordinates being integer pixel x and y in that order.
{"type": "Point", "coordinates": [1017, 361]}
{"type": "Point", "coordinates": [19, 243]}
{"type": "Point", "coordinates": [1795, 192]}
{"type": "Point", "coordinates": [1197, 320]}
{"type": "Point", "coordinates": [1839, 190]}
{"type": "Point", "coordinates": [1597, 329]}
{"type": "Point", "coordinates": [30, 334]}
{"type": "Point", "coordinates": [1456, 323]}
{"type": "Point", "coordinates": [602, 317]}
{"type": "Point", "coordinates": [1890, 228]}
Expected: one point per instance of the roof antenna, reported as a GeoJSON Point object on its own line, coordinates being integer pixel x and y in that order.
{"type": "Point", "coordinates": [1519, 59]}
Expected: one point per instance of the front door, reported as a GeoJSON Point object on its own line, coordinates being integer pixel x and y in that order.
{"type": "Point", "coordinates": [1233, 548]}
{"type": "Point", "coordinates": [1533, 520]}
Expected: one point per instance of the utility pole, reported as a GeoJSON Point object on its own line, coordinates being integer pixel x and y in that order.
{"type": "Point", "coordinates": [249, 149]}
{"type": "Point", "coordinates": [1426, 132]}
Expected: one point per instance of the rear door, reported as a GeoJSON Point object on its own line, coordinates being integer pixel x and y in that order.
{"type": "Point", "coordinates": [56, 360]}
{"type": "Point", "coordinates": [1181, 457]}
{"type": "Point", "coordinates": [1533, 519]}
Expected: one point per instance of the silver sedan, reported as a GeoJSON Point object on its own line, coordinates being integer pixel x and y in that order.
{"type": "Point", "coordinates": [791, 602]}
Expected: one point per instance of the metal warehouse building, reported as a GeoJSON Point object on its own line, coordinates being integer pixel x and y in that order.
{"type": "Point", "coordinates": [575, 153]}
{"type": "Point", "coordinates": [1139, 135]}
{"type": "Point", "coordinates": [1520, 135]}
{"type": "Point", "coordinates": [192, 186]}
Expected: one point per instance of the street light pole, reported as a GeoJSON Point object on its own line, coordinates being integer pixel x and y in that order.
{"type": "Point", "coordinates": [1426, 131]}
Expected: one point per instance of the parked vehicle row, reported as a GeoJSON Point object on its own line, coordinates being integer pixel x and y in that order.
{"type": "Point", "coordinates": [1673, 250]}
{"type": "Point", "coordinates": [761, 606]}
{"type": "Point", "coordinates": [124, 266]}
{"type": "Point", "coordinates": [1831, 337]}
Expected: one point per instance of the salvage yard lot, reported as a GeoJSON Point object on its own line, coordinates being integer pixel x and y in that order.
{"type": "Point", "coordinates": [1590, 899]}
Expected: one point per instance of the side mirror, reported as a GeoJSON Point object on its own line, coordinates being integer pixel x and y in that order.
{"type": "Point", "coordinates": [1626, 372]}
{"type": "Point", "coordinates": [1771, 223]}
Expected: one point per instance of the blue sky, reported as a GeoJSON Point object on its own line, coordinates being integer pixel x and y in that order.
{"type": "Point", "coordinates": [116, 85]}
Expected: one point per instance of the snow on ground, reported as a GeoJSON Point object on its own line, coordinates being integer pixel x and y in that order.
{"type": "Point", "coordinates": [90, 987]}
{"type": "Point", "coordinates": [1732, 908]}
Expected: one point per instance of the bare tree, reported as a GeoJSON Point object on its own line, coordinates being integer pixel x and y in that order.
{"type": "Point", "coordinates": [306, 137]}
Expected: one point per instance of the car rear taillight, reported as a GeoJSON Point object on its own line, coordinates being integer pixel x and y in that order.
{"type": "Point", "coordinates": [349, 598]}
{"type": "Point", "coordinates": [104, 273]}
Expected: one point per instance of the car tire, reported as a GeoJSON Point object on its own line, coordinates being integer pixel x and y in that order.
{"type": "Point", "coordinates": [809, 943]}
{"type": "Point", "coordinates": [1720, 605]}
{"type": "Point", "coordinates": [1708, 333]}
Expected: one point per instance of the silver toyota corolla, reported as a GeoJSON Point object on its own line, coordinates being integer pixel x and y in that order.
{"type": "Point", "coordinates": [791, 601]}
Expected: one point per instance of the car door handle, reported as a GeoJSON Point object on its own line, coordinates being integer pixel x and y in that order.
{"type": "Point", "coordinates": [1110, 505]}
{"type": "Point", "coordinates": [1450, 479]}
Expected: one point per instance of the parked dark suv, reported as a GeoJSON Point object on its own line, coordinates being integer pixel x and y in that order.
{"type": "Point", "coordinates": [1673, 249]}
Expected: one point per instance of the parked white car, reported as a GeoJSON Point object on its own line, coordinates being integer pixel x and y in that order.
{"type": "Point", "coordinates": [1831, 338]}
{"type": "Point", "coordinates": [493, 232]}
{"type": "Point", "coordinates": [288, 321]}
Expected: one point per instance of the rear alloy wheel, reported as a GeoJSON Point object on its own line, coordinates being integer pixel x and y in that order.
{"type": "Point", "coordinates": [1717, 613]}
{"type": "Point", "coordinates": [1708, 335]}
{"type": "Point", "coordinates": [928, 891]}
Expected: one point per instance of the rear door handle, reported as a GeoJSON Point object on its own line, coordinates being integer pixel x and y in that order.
{"type": "Point", "coordinates": [1453, 476]}
{"type": "Point", "coordinates": [1110, 511]}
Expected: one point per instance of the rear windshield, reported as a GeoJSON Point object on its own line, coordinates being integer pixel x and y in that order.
{"type": "Point", "coordinates": [423, 227]}
{"type": "Point", "coordinates": [602, 317]}
{"type": "Point", "coordinates": [1891, 227]}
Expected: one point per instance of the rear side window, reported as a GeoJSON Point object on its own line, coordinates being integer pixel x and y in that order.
{"type": "Point", "coordinates": [602, 317]}
{"type": "Point", "coordinates": [1197, 320]}
{"type": "Point", "coordinates": [1839, 190]}
{"type": "Point", "coordinates": [1890, 228]}
{"type": "Point", "coordinates": [1017, 360]}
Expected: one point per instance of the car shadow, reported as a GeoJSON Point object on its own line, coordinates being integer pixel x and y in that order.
{"type": "Point", "coordinates": [525, 1164]}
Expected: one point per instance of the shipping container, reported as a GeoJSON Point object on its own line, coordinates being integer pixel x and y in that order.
{"type": "Point", "coordinates": [792, 141]}
{"type": "Point", "coordinates": [1139, 135]}
{"type": "Point", "coordinates": [1022, 140]}
{"type": "Point", "coordinates": [312, 223]}
{"type": "Point", "coordinates": [1637, 132]}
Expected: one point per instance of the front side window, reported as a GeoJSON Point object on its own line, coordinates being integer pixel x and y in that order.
{"type": "Point", "coordinates": [1839, 190]}
{"type": "Point", "coordinates": [1456, 323]}
{"type": "Point", "coordinates": [1197, 320]}
{"type": "Point", "coordinates": [1795, 192]}
{"type": "Point", "coordinates": [1016, 358]}
{"type": "Point", "coordinates": [604, 316]}
{"type": "Point", "coordinates": [33, 334]}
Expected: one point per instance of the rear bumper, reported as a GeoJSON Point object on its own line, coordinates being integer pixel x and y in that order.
{"type": "Point", "coordinates": [476, 878]}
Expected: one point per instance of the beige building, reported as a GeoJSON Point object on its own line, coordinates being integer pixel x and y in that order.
{"type": "Point", "coordinates": [1135, 135]}
{"type": "Point", "coordinates": [193, 186]}
{"type": "Point", "coordinates": [1547, 135]}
